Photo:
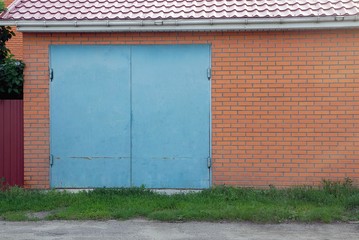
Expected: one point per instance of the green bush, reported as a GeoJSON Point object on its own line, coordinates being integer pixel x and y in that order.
{"type": "Point", "coordinates": [11, 79]}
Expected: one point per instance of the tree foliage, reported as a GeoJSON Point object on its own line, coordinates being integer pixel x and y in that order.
{"type": "Point", "coordinates": [11, 70]}
{"type": "Point", "coordinates": [5, 35]}
{"type": "Point", "coordinates": [11, 78]}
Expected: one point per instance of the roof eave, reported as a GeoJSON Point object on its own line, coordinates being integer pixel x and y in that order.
{"type": "Point", "coordinates": [239, 24]}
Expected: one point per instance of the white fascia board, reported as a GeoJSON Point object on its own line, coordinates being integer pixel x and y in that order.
{"type": "Point", "coordinates": [242, 24]}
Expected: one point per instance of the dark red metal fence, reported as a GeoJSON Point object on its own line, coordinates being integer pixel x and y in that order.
{"type": "Point", "coordinates": [11, 143]}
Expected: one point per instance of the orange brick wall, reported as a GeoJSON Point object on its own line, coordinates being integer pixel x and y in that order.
{"type": "Point", "coordinates": [285, 105]}
{"type": "Point", "coordinates": [15, 43]}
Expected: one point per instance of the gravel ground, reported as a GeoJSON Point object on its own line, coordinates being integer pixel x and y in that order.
{"type": "Point", "coordinates": [143, 229]}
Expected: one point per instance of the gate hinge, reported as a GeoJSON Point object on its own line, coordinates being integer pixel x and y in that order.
{"type": "Point", "coordinates": [209, 162]}
{"type": "Point", "coordinates": [209, 73]}
{"type": "Point", "coordinates": [51, 74]}
{"type": "Point", "coordinates": [51, 158]}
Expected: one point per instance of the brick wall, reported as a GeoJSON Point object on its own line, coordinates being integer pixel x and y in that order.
{"type": "Point", "coordinates": [15, 44]}
{"type": "Point", "coordinates": [285, 105]}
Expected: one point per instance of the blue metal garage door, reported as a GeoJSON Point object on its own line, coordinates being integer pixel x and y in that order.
{"type": "Point", "coordinates": [90, 116]}
{"type": "Point", "coordinates": [130, 116]}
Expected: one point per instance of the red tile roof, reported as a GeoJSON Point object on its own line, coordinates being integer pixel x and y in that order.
{"type": "Point", "coordinates": [175, 9]}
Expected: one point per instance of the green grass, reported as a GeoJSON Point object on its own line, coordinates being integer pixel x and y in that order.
{"type": "Point", "coordinates": [333, 201]}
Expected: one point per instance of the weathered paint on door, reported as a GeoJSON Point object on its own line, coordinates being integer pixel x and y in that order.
{"type": "Point", "coordinates": [130, 115]}
{"type": "Point", "coordinates": [170, 107]}
{"type": "Point", "coordinates": [90, 116]}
